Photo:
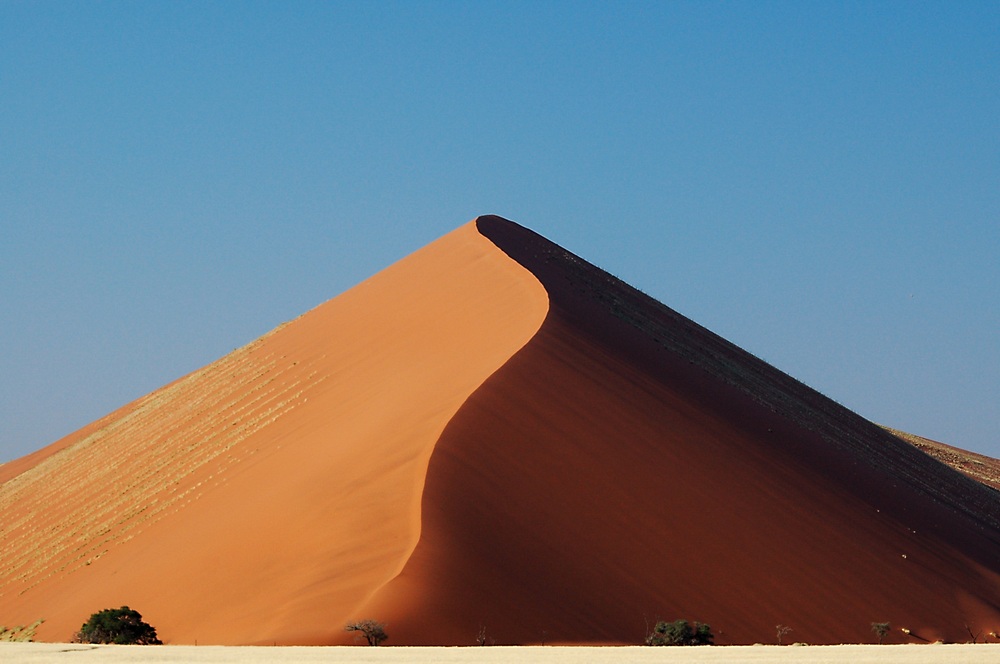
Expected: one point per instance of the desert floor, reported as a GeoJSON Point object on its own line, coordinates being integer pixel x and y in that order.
{"type": "Point", "coordinates": [847, 654]}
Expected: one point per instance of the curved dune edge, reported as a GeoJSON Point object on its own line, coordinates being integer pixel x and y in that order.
{"type": "Point", "coordinates": [627, 465]}
{"type": "Point", "coordinates": [304, 453]}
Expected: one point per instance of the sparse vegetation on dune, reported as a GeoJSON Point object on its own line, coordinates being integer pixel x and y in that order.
{"type": "Point", "coordinates": [187, 427]}
{"type": "Point", "coordinates": [19, 633]}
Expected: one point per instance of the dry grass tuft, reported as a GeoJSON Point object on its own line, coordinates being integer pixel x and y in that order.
{"type": "Point", "coordinates": [20, 633]}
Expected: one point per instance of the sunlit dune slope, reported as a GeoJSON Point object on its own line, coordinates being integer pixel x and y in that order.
{"type": "Point", "coordinates": [627, 465]}
{"type": "Point", "coordinates": [265, 497]}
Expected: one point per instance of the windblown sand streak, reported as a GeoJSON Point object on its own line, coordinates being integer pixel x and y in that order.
{"type": "Point", "coordinates": [141, 465]}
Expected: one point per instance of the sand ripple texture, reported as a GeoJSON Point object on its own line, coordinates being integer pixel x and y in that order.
{"type": "Point", "coordinates": [142, 464]}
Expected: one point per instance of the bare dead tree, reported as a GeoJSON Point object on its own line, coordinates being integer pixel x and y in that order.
{"type": "Point", "coordinates": [372, 630]}
{"type": "Point", "coordinates": [483, 638]}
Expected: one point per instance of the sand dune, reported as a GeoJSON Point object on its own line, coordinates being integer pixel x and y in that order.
{"type": "Point", "coordinates": [493, 436]}
{"type": "Point", "coordinates": [265, 497]}
{"type": "Point", "coordinates": [627, 465]}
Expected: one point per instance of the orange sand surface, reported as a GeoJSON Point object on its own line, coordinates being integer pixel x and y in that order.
{"type": "Point", "coordinates": [267, 496]}
{"type": "Point", "coordinates": [495, 439]}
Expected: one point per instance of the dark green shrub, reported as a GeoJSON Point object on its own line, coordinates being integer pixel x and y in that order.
{"type": "Point", "coordinates": [680, 633]}
{"type": "Point", "coordinates": [122, 626]}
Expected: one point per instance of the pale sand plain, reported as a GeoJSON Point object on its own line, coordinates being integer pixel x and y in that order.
{"type": "Point", "coordinates": [56, 653]}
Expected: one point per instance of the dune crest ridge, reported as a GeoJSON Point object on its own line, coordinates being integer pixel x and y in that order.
{"type": "Point", "coordinates": [627, 465]}
{"type": "Point", "coordinates": [263, 498]}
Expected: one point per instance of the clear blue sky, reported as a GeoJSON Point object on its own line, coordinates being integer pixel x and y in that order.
{"type": "Point", "coordinates": [817, 182]}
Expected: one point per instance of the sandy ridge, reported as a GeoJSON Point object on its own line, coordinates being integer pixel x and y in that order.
{"type": "Point", "coordinates": [303, 452]}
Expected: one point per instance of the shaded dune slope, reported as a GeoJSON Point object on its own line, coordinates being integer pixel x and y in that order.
{"type": "Point", "coordinates": [627, 465]}
{"type": "Point", "coordinates": [264, 498]}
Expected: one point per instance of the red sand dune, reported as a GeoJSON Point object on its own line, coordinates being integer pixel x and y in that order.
{"type": "Point", "coordinates": [495, 435]}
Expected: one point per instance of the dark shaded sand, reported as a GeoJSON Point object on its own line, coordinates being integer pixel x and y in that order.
{"type": "Point", "coordinates": [627, 465]}
{"type": "Point", "coordinates": [494, 437]}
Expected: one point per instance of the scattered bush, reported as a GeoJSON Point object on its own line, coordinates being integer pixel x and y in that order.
{"type": "Point", "coordinates": [680, 633]}
{"type": "Point", "coordinates": [122, 626]}
{"type": "Point", "coordinates": [880, 629]}
{"type": "Point", "coordinates": [372, 630]}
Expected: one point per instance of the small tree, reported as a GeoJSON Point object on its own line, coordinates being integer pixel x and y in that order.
{"type": "Point", "coordinates": [781, 630]}
{"type": "Point", "coordinates": [880, 629]}
{"type": "Point", "coordinates": [372, 630]}
{"type": "Point", "coordinates": [122, 626]}
{"type": "Point", "coordinates": [680, 633]}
